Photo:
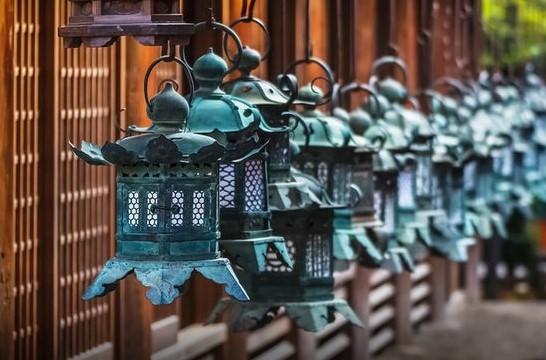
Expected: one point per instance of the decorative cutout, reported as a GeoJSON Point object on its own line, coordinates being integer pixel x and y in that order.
{"type": "Point", "coordinates": [227, 186]}
{"type": "Point", "coordinates": [177, 217]}
{"type": "Point", "coordinates": [151, 216]}
{"type": "Point", "coordinates": [198, 208]}
{"type": "Point", "coordinates": [254, 185]}
{"type": "Point", "coordinates": [134, 208]}
{"type": "Point", "coordinates": [405, 189]}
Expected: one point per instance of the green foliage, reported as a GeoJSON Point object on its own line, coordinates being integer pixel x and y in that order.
{"type": "Point", "coordinates": [514, 31]}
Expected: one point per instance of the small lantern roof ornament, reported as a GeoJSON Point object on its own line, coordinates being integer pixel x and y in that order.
{"type": "Point", "coordinates": [167, 222]}
{"type": "Point", "coordinates": [244, 201]}
{"type": "Point", "coordinates": [98, 23]}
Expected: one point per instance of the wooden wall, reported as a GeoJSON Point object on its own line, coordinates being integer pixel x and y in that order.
{"type": "Point", "coordinates": [58, 216]}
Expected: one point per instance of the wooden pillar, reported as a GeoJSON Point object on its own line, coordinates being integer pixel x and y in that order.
{"type": "Point", "coordinates": [471, 276]}
{"type": "Point", "coordinates": [360, 302]}
{"type": "Point", "coordinates": [406, 28]}
{"type": "Point", "coordinates": [306, 344]}
{"type": "Point", "coordinates": [6, 181]}
{"type": "Point", "coordinates": [439, 286]}
{"type": "Point", "coordinates": [402, 305]}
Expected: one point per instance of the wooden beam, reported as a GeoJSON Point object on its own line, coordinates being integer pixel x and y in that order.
{"type": "Point", "coordinates": [6, 181]}
{"type": "Point", "coordinates": [360, 294]}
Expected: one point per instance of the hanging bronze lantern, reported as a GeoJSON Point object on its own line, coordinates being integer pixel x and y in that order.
{"type": "Point", "coordinates": [303, 215]}
{"type": "Point", "coordinates": [334, 155]}
{"type": "Point", "coordinates": [415, 176]}
{"type": "Point", "coordinates": [368, 120]}
{"type": "Point", "coordinates": [98, 23]}
{"type": "Point", "coordinates": [167, 203]}
{"type": "Point", "coordinates": [451, 151]}
{"type": "Point", "coordinates": [246, 235]}
{"type": "Point", "coordinates": [535, 161]}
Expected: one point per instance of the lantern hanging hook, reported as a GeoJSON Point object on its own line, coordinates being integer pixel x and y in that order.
{"type": "Point", "coordinates": [117, 122]}
{"type": "Point", "coordinates": [168, 58]}
{"type": "Point", "coordinates": [298, 120]}
{"type": "Point", "coordinates": [337, 99]}
{"type": "Point", "coordinates": [261, 25]}
{"type": "Point", "coordinates": [386, 60]}
{"type": "Point", "coordinates": [329, 78]}
{"type": "Point", "coordinates": [214, 25]}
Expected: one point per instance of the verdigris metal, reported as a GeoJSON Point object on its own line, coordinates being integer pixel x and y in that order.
{"type": "Point", "coordinates": [246, 234]}
{"type": "Point", "coordinates": [167, 205]}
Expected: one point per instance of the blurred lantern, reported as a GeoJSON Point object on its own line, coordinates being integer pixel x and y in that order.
{"type": "Point", "coordinates": [246, 235]}
{"type": "Point", "coordinates": [387, 140]}
{"type": "Point", "coordinates": [480, 218]}
{"type": "Point", "coordinates": [535, 161]}
{"type": "Point", "coordinates": [335, 156]}
{"type": "Point", "coordinates": [98, 23]}
{"type": "Point", "coordinates": [167, 203]}
{"type": "Point", "coordinates": [451, 151]}
{"type": "Point", "coordinates": [415, 176]}
{"type": "Point", "coordinates": [304, 216]}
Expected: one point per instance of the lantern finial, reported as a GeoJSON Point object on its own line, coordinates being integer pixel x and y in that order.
{"type": "Point", "coordinates": [209, 71]}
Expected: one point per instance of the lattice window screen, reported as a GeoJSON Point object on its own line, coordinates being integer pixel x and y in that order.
{"type": "Point", "coordinates": [86, 100]}
{"type": "Point", "coordinates": [26, 116]}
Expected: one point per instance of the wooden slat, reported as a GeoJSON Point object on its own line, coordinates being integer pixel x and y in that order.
{"type": "Point", "coordinates": [263, 337]}
{"type": "Point", "coordinates": [382, 339]}
{"type": "Point", "coordinates": [333, 347]}
{"type": "Point", "coordinates": [281, 351]}
{"type": "Point", "coordinates": [419, 313]}
{"type": "Point", "coordinates": [194, 341]}
{"type": "Point", "coordinates": [333, 327]}
{"type": "Point", "coordinates": [381, 294]}
{"type": "Point", "coordinates": [420, 292]}
{"type": "Point", "coordinates": [379, 276]}
{"type": "Point", "coordinates": [380, 316]}
{"type": "Point", "coordinates": [421, 271]}
{"type": "Point", "coordinates": [7, 262]}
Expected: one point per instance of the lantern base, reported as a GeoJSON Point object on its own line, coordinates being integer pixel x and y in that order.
{"type": "Point", "coordinates": [415, 236]}
{"type": "Point", "coordinates": [309, 316]}
{"type": "Point", "coordinates": [483, 222]}
{"type": "Point", "coordinates": [349, 244]}
{"type": "Point", "coordinates": [251, 254]}
{"type": "Point", "coordinates": [395, 258]}
{"type": "Point", "coordinates": [165, 280]}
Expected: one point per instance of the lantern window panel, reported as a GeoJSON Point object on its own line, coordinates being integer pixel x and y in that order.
{"type": "Point", "coordinates": [423, 179]}
{"type": "Point", "coordinates": [317, 257]}
{"type": "Point", "coordinates": [507, 162]}
{"type": "Point", "coordinates": [274, 264]}
{"type": "Point", "coordinates": [341, 182]}
{"type": "Point", "coordinates": [199, 208]}
{"type": "Point", "coordinates": [542, 161]}
{"type": "Point", "coordinates": [133, 209]}
{"type": "Point", "coordinates": [456, 203]}
{"type": "Point", "coordinates": [389, 209]}
{"type": "Point", "coordinates": [378, 204]}
{"type": "Point", "coordinates": [254, 185]}
{"type": "Point", "coordinates": [437, 193]}
{"type": "Point", "coordinates": [323, 173]}
{"type": "Point", "coordinates": [470, 174]}
{"type": "Point", "coordinates": [227, 186]}
{"type": "Point", "coordinates": [364, 179]}
{"type": "Point", "coordinates": [177, 206]}
{"type": "Point", "coordinates": [152, 214]}
{"type": "Point", "coordinates": [406, 195]}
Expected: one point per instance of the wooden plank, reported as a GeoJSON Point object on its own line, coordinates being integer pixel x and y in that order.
{"type": "Point", "coordinates": [419, 313]}
{"type": "Point", "coordinates": [333, 347]}
{"type": "Point", "coordinates": [164, 333]}
{"type": "Point", "coordinates": [261, 338]}
{"type": "Point", "coordinates": [420, 292]}
{"type": "Point", "coordinates": [101, 352]}
{"type": "Point", "coordinates": [381, 294]}
{"type": "Point", "coordinates": [379, 277]}
{"type": "Point", "coordinates": [381, 340]}
{"type": "Point", "coordinates": [194, 341]}
{"type": "Point", "coordinates": [6, 182]}
{"type": "Point", "coordinates": [306, 344]}
{"type": "Point", "coordinates": [281, 351]}
{"type": "Point", "coordinates": [380, 316]}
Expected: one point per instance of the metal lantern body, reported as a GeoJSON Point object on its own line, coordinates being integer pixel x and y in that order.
{"type": "Point", "coordinates": [415, 175]}
{"type": "Point", "coordinates": [331, 153]}
{"type": "Point", "coordinates": [302, 215]}
{"type": "Point", "coordinates": [243, 192]}
{"type": "Point", "coordinates": [481, 219]}
{"type": "Point", "coordinates": [535, 161]}
{"type": "Point", "coordinates": [167, 205]}
{"type": "Point", "coordinates": [98, 23]}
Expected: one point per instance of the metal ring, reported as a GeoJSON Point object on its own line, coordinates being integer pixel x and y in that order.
{"type": "Point", "coordinates": [219, 26]}
{"type": "Point", "coordinates": [354, 86]}
{"type": "Point", "coordinates": [260, 23]}
{"type": "Point", "coordinates": [168, 58]}
{"type": "Point", "coordinates": [325, 67]}
{"type": "Point", "coordinates": [394, 60]}
{"type": "Point", "coordinates": [299, 121]}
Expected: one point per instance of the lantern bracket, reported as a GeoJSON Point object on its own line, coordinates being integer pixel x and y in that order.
{"type": "Point", "coordinates": [389, 60]}
{"type": "Point", "coordinates": [329, 79]}
{"type": "Point", "coordinates": [261, 25]}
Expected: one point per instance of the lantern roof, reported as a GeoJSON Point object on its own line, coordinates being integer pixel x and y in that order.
{"type": "Point", "coordinates": [213, 111]}
{"type": "Point", "coordinates": [392, 89]}
{"type": "Point", "coordinates": [165, 141]}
